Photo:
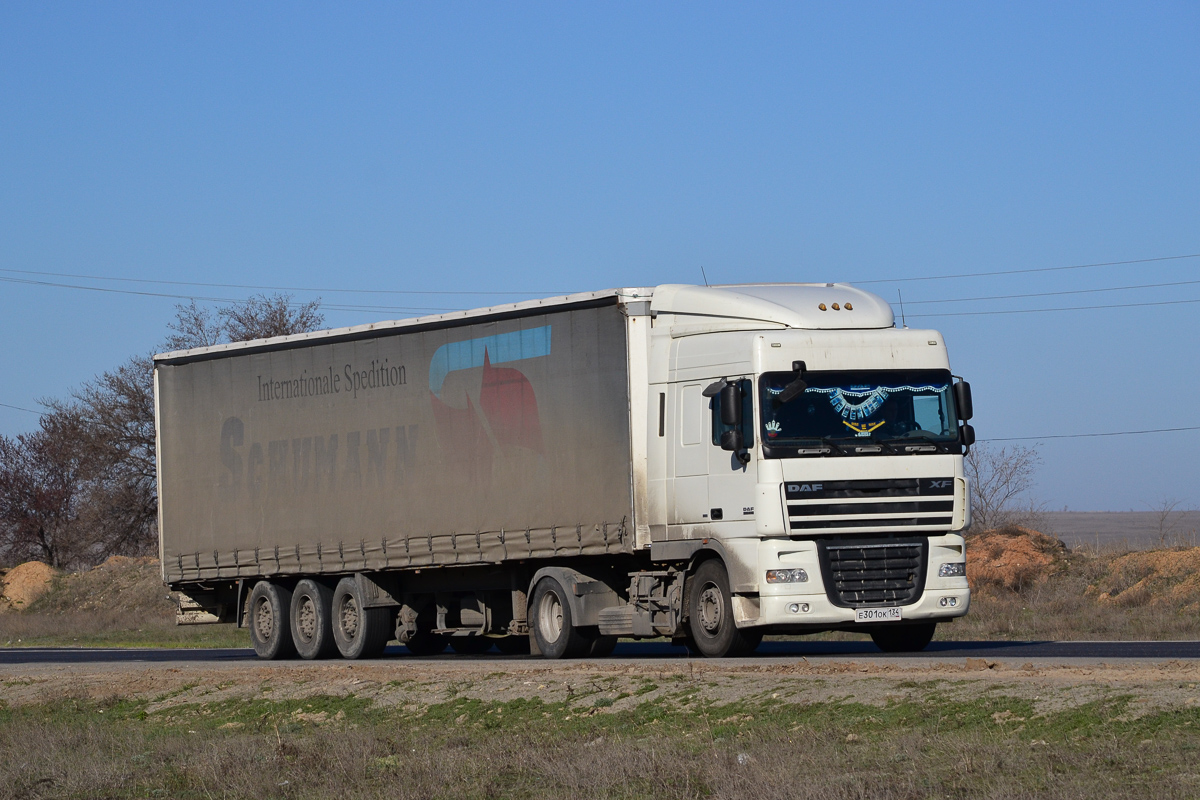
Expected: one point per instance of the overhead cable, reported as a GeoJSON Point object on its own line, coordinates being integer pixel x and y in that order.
{"type": "Point", "coordinates": [1028, 271]}
{"type": "Point", "coordinates": [1089, 435]}
{"type": "Point", "coordinates": [1063, 308]}
{"type": "Point", "coordinates": [1053, 294]}
{"type": "Point", "coordinates": [264, 288]}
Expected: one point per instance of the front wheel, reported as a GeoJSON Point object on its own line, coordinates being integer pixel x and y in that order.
{"type": "Point", "coordinates": [711, 626]}
{"type": "Point", "coordinates": [904, 638]}
{"type": "Point", "coordinates": [358, 632]}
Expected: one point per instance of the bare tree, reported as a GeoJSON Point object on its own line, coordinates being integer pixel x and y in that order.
{"type": "Point", "coordinates": [193, 326]}
{"type": "Point", "coordinates": [42, 485]}
{"type": "Point", "coordinates": [262, 317]}
{"type": "Point", "coordinates": [83, 486]}
{"type": "Point", "coordinates": [1000, 480]}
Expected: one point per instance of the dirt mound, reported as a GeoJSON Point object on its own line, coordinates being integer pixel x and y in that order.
{"type": "Point", "coordinates": [132, 585]}
{"type": "Point", "coordinates": [25, 583]}
{"type": "Point", "coordinates": [1152, 577]}
{"type": "Point", "coordinates": [1012, 558]}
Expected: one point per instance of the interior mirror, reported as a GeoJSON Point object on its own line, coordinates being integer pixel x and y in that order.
{"type": "Point", "coordinates": [966, 435]}
{"type": "Point", "coordinates": [731, 405]}
{"type": "Point", "coordinates": [962, 399]}
{"type": "Point", "coordinates": [732, 441]}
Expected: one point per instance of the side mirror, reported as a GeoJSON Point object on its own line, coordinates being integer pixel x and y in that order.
{"type": "Point", "coordinates": [966, 435]}
{"type": "Point", "coordinates": [731, 407]}
{"type": "Point", "coordinates": [962, 399]}
{"type": "Point", "coordinates": [734, 442]}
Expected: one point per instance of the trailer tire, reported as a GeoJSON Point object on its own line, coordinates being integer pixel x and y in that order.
{"type": "Point", "coordinates": [269, 621]}
{"type": "Point", "coordinates": [312, 628]}
{"type": "Point", "coordinates": [358, 632]}
{"type": "Point", "coordinates": [712, 630]}
{"type": "Point", "coordinates": [904, 638]}
{"type": "Point", "coordinates": [550, 622]}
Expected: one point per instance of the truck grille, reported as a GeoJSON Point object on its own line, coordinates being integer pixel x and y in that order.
{"type": "Point", "coordinates": [866, 505]}
{"type": "Point", "coordinates": [873, 573]}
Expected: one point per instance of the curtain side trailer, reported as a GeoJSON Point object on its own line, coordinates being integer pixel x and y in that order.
{"type": "Point", "coordinates": [707, 464]}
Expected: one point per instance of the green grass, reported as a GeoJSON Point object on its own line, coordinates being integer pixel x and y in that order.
{"type": "Point", "coordinates": [220, 635]}
{"type": "Point", "coordinates": [675, 746]}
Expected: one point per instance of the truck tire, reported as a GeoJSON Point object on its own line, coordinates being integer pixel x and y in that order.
{"type": "Point", "coordinates": [903, 638]}
{"type": "Point", "coordinates": [550, 622]}
{"type": "Point", "coordinates": [268, 620]}
{"type": "Point", "coordinates": [710, 614]}
{"type": "Point", "coordinates": [311, 620]}
{"type": "Point", "coordinates": [358, 632]}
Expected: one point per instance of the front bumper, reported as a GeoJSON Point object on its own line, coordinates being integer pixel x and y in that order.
{"type": "Point", "coordinates": [806, 605]}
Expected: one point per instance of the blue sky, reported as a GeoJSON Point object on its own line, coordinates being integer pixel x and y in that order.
{"type": "Point", "coordinates": [536, 149]}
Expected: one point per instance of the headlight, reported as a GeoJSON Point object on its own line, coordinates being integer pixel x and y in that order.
{"type": "Point", "coordinates": [954, 569]}
{"type": "Point", "coordinates": [786, 576]}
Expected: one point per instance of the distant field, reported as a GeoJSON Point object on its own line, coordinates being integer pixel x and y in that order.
{"type": "Point", "coordinates": [1136, 530]}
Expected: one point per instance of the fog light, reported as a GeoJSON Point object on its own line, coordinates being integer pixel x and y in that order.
{"type": "Point", "coordinates": [798, 608]}
{"type": "Point", "coordinates": [943, 602]}
{"type": "Point", "coordinates": [955, 569]}
{"type": "Point", "coordinates": [787, 576]}
{"type": "Point", "coordinates": [953, 602]}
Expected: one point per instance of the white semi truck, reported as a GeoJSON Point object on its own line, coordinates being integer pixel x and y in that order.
{"type": "Point", "coordinates": [708, 464]}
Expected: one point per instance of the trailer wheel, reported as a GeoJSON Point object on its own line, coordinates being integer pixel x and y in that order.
{"type": "Point", "coordinates": [312, 627]}
{"type": "Point", "coordinates": [904, 638]}
{"type": "Point", "coordinates": [358, 632]}
{"type": "Point", "coordinates": [550, 622]}
{"type": "Point", "coordinates": [710, 614]}
{"type": "Point", "coordinates": [270, 628]}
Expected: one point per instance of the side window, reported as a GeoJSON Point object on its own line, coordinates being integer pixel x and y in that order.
{"type": "Point", "coordinates": [747, 426]}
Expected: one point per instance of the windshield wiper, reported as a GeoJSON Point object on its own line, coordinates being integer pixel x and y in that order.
{"type": "Point", "coordinates": [914, 444]}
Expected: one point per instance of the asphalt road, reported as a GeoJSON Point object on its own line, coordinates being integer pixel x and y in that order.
{"type": "Point", "coordinates": [660, 651]}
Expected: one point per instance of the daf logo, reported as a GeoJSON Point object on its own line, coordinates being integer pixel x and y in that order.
{"type": "Point", "coordinates": [940, 484]}
{"type": "Point", "coordinates": [805, 487]}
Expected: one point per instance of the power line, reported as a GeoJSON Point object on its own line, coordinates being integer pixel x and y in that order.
{"type": "Point", "coordinates": [1054, 294]}
{"type": "Point", "coordinates": [107, 290]}
{"type": "Point", "coordinates": [262, 288]}
{"type": "Point", "coordinates": [1028, 271]}
{"type": "Point", "coordinates": [18, 408]}
{"type": "Point", "coordinates": [1089, 435]}
{"type": "Point", "coordinates": [1064, 308]}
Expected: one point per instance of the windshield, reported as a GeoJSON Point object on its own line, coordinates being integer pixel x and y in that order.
{"type": "Point", "coordinates": [840, 409]}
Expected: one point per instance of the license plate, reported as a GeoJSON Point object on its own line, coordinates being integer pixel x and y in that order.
{"type": "Point", "coordinates": [876, 614]}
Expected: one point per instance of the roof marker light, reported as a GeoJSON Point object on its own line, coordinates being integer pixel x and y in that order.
{"type": "Point", "coordinates": [836, 307]}
{"type": "Point", "coordinates": [821, 306]}
{"type": "Point", "coordinates": [849, 307]}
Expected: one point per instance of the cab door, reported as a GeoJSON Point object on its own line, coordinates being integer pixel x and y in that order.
{"type": "Point", "coordinates": [732, 476]}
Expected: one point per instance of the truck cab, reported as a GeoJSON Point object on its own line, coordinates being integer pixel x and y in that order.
{"type": "Point", "coordinates": [816, 450]}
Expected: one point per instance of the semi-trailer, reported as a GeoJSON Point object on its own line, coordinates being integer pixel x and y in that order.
{"type": "Point", "coordinates": [707, 464]}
